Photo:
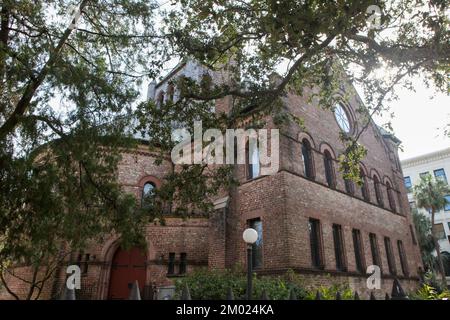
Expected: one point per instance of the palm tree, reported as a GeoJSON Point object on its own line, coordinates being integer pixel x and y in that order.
{"type": "Point", "coordinates": [430, 195]}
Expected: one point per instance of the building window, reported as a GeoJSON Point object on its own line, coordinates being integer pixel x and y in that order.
{"type": "Point", "coordinates": [423, 175]}
{"type": "Point", "coordinates": [307, 159]}
{"type": "Point", "coordinates": [253, 168]}
{"type": "Point", "coordinates": [257, 249]}
{"type": "Point", "coordinates": [390, 256]}
{"type": "Point", "coordinates": [364, 189]}
{"type": "Point", "coordinates": [342, 118]}
{"type": "Point", "coordinates": [339, 249]}
{"type": "Point", "coordinates": [170, 92]}
{"type": "Point", "coordinates": [183, 263]}
{"type": "Point", "coordinates": [315, 238]}
{"type": "Point", "coordinates": [148, 192]}
{"type": "Point", "coordinates": [378, 194]}
{"type": "Point", "coordinates": [391, 199]}
{"type": "Point", "coordinates": [439, 174]}
{"type": "Point", "coordinates": [160, 99]}
{"type": "Point", "coordinates": [359, 253]}
{"type": "Point", "coordinates": [329, 169]}
{"type": "Point", "coordinates": [349, 186]}
{"type": "Point", "coordinates": [171, 265]}
{"type": "Point", "coordinates": [439, 231]}
{"type": "Point", "coordinates": [408, 184]}
{"type": "Point", "coordinates": [403, 261]}
{"type": "Point", "coordinates": [413, 237]}
{"type": "Point", "coordinates": [374, 250]}
{"type": "Point", "coordinates": [447, 204]}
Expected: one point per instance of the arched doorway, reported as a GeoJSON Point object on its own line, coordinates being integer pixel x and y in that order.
{"type": "Point", "coordinates": [126, 267]}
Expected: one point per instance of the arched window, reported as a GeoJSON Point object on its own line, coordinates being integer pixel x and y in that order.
{"type": "Point", "coordinates": [349, 186]}
{"type": "Point", "coordinates": [378, 193]}
{"type": "Point", "coordinates": [148, 192]}
{"type": "Point", "coordinates": [253, 165]}
{"type": "Point", "coordinates": [170, 92]}
{"type": "Point", "coordinates": [364, 187]}
{"type": "Point", "coordinates": [160, 99]}
{"type": "Point", "coordinates": [307, 159]}
{"type": "Point", "coordinates": [329, 169]}
{"type": "Point", "coordinates": [390, 193]}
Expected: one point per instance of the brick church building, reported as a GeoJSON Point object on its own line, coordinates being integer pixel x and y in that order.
{"type": "Point", "coordinates": [309, 219]}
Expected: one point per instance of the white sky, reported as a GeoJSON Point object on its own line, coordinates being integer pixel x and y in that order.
{"type": "Point", "coordinates": [420, 119]}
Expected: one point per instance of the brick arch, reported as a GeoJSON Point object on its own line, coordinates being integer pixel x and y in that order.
{"type": "Point", "coordinates": [363, 167]}
{"type": "Point", "coordinates": [307, 136]}
{"type": "Point", "coordinates": [149, 178]}
{"type": "Point", "coordinates": [374, 172]}
{"type": "Point", "coordinates": [326, 147]}
{"type": "Point", "coordinates": [387, 180]}
{"type": "Point", "coordinates": [106, 256]}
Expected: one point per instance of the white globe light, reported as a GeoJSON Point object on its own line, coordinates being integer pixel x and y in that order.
{"type": "Point", "coordinates": [250, 235]}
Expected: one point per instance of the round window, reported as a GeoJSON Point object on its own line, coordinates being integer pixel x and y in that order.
{"type": "Point", "coordinates": [342, 118]}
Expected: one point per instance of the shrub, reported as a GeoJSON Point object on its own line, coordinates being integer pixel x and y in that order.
{"type": "Point", "coordinates": [427, 292]}
{"type": "Point", "coordinates": [213, 285]}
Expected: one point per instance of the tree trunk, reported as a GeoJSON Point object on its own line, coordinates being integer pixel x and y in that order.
{"type": "Point", "coordinates": [438, 251]}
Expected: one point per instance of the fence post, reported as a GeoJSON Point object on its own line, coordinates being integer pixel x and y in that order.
{"type": "Point", "coordinates": [338, 296]}
{"type": "Point", "coordinates": [186, 294]}
{"type": "Point", "coordinates": [372, 296]}
{"type": "Point", "coordinates": [318, 296]}
{"type": "Point", "coordinates": [292, 295]}
{"type": "Point", "coordinates": [386, 297]}
{"type": "Point", "coordinates": [68, 294]}
{"type": "Point", "coordinates": [134, 292]}
{"type": "Point", "coordinates": [230, 295]}
{"type": "Point", "coordinates": [264, 295]}
{"type": "Point", "coordinates": [397, 291]}
{"type": "Point", "coordinates": [356, 297]}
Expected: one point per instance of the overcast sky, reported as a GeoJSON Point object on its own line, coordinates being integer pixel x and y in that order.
{"type": "Point", "coordinates": [420, 120]}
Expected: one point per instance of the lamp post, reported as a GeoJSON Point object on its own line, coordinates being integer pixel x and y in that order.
{"type": "Point", "coordinates": [250, 236]}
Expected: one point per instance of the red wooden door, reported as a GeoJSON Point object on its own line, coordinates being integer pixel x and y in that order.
{"type": "Point", "coordinates": [127, 266]}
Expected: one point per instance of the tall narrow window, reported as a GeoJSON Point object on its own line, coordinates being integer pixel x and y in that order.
{"type": "Point", "coordinates": [408, 184]}
{"type": "Point", "coordinates": [413, 237]}
{"type": "Point", "coordinates": [307, 159]}
{"type": "Point", "coordinates": [378, 193]}
{"type": "Point", "coordinates": [160, 99]}
{"type": "Point", "coordinates": [170, 92]}
{"type": "Point", "coordinates": [349, 186]}
{"type": "Point", "coordinates": [391, 199]}
{"type": "Point", "coordinates": [447, 204]}
{"type": "Point", "coordinates": [339, 250]}
{"type": "Point", "coordinates": [171, 265]}
{"type": "Point", "coordinates": [257, 249]}
{"type": "Point", "coordinates": [315, 238]}
{"type": "Point", "coordinates": [403, 261]}
{"type": "Point", "coordinates": [440, 175]}
{"type": "Point", "coordinates": [376, 260]}
{"type": "Point", "coordinates": [390, 256]}
{"type": "Point", "coordinates": [253, 168]}
{"type": "Point", "coordinates": [329, 169]}
{"type": "Point", "coordinates": [183, 263]}
{"type": "Point", "coordinates": [148, 192]}
{"type": "Point", "coordinates": [359, 253]}
{"type": "Point", "coordinates": [364, 188]}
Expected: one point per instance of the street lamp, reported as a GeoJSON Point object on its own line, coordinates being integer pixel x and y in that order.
{"type": "Point", "coordinates": [250, 236]}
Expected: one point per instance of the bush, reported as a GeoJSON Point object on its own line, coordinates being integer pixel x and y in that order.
{"type": "Point", "coordinates": [427, 292]}
{"type": "Point", "coordinates": [213, 285]}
